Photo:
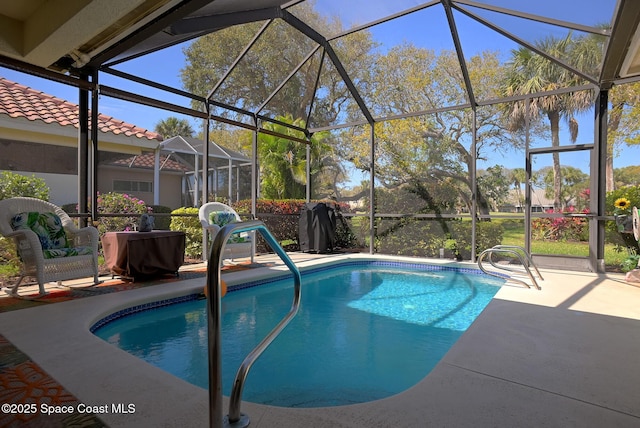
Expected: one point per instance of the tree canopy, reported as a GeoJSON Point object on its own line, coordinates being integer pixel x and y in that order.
{"type": "Point", "coordinates": [276, 53]}
{"type": "Point", "coordinates": [530, 73]}
{"type": "Point", "coordinates": [432, 148]}
{"type": "Point", "coordinates": [283, 162]}
{"type": "Point", "coordinates": [287, 76]}
{"type": "Point", "coordinates": [172, 126]}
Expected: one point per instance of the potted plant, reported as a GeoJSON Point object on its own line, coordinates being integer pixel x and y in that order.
{"type": "Point", "coordinates": [622, 214]}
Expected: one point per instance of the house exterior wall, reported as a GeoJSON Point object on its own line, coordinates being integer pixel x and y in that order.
{"type": "Point", "coordinates": [170, 184]}
{"type": "Point", "coordinates": [58, 167]}
{"type": "Point", "coordinates": [63, 188]}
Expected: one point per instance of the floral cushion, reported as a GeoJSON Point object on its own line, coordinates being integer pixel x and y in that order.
{"type": "Point", "coordinates": [66, 252]}
{"type": "Point", "coordinates": [47, 226]}
{"type": "Point", "coordinates": [222, 218]}
{"type": "Point", "coordinates": [51, 234]}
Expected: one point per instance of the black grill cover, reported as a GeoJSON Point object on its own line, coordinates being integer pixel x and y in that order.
{"type": "Point", "coordinates": [317, 228]}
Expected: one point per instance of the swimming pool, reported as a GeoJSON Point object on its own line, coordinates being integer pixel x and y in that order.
{"type": "Point", "coordinates": [364, 331]}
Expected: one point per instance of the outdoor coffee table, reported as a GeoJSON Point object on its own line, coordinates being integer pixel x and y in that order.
{"type": "Point", "coordinates": [141, 254]}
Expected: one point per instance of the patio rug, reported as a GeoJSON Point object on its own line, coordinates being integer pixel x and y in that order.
{"type": "Point", "coordinates": [22, 382]}
{"type": "Point", "coordinates": [24, 385]}
{"type": "Point", "coordinates": [10, 303]}
{"type": "Point", "coordinates": [61, 294]}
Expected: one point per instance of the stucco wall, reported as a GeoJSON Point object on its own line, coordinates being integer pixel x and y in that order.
{"type": "Point", "coordinates": [170, 184]}
{"type": "Point", "coordinates": [63, 188]}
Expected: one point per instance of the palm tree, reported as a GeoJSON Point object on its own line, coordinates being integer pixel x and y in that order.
{"type": "Point", "coordinates": [172, 126]}
{"type": "Point", "coordinates": [518, 176]}
{"type": "Point", "coordinates": [530, 73]}
{"type": "Point", "coordinates": [283, 162]}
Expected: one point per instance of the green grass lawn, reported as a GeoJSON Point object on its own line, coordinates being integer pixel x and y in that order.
{"type": "Point", "coordinates": [514, 235]}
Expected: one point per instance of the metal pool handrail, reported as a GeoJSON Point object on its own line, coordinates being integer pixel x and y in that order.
{"type": "Point", "coordinates": [519, 252]}
{"type": "Point", "coordinates": [235, 418]}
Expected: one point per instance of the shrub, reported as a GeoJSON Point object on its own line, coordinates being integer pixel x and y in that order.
{"type": "Point", "coordinates": [185, 220]}
{"type": "Point", "coordinates": [13, 185]}
{"type": "Point", "coordinates": [345, 237]}
{"type": "Point", "coordinates": [488, 234]}
{"type": "Point", "coordinates": [412, 237]}
{"type": "Point", "coordinates": [560, 228]}
{"type": "Point", "coordinates": [632, 193]}
{"type": "Point", "coordinates": [9, 261]}
{"type": "Point", "coordinates": [630, 263]}
{"type": "Point", "coordinates": [425, 238]}
{"type": "Point", "coordinates": [119, 203]}
{"type": "Point", "coordinates": [283, 225]}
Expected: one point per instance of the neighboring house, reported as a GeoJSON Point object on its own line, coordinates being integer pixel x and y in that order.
{"type": "Point", "coordinates": [539, 202]}
{"type": "Point", "coordinates": [134, 175]}
{"type": "Point", "coordinates": [229, 170]}
{"type": "Point", "coordinates": [39, 136]}
{"type": "Point", "coordinates": [178, 159]}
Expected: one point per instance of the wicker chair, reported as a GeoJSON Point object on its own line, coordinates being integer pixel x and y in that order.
{"type": "Point", "coordinates": [232, 249]}
{"type": "Point", "coordinates": [44, 267]}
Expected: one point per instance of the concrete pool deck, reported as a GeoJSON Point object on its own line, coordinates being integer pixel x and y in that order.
{"type": "Point", "coordinates": [567, 355]}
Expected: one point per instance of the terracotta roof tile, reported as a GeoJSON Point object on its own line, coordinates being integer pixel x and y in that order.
{"type": "Point", "coordinates": [17, 100]}
{"type": "Point", "coordinates": [147, 160]}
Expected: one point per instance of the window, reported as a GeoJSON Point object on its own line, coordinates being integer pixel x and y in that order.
{"type": "Point", "coordinates": [132, 186]}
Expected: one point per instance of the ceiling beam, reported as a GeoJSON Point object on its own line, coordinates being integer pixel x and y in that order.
{"type": "Point", "coordinates": [212, 23]}
{"type": "Point", "coordinates": [164, 21]}
{"type": "Point", "coordinates": [621, 46]}
{"type": "Point", "coordinates": [34, 70]}
{"type": "Point", "coordinates": [59, 27]}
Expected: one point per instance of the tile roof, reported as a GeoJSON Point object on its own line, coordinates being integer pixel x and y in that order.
{"type": "Point", "coordinates": [147, 160]}
{"type": "Point", "coordinates": [17, 100]}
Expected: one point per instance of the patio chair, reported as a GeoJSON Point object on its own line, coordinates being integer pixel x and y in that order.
{"type": "Point", "coordinates": [50, 246]}
{"type": "Point", "coordinates": [213, 216]}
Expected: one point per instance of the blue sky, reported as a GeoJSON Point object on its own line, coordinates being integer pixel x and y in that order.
{"type": "Point", "coordinates": [426, 28]}
{"type": "Point", "coordinates": [165, 66]}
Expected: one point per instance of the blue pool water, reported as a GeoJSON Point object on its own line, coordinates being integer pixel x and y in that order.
{"type": "Point", "coordinates": [362, 333]}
